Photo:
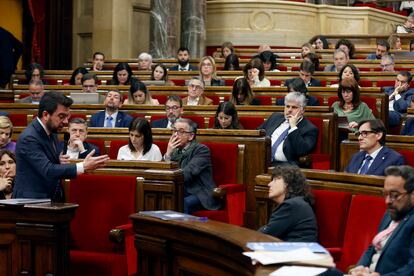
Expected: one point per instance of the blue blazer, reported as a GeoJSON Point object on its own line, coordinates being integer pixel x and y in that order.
{"type": "Point", "coordinates": [409, 127]}
{"type": "Point", "coordinates": [385, 158]}
{"type": "Point", "coordinates": [397, 257]}
{"type": "Point", "coordinates": [404, 102]}
{"type": "Point", "coordinates": [372, 57]}
{"type": "Point", "coordinates": [38, 170]}
{"type": "Point", "coordinates": [122, 119]}
{"type": "Point", "coordinates": [161, 123]}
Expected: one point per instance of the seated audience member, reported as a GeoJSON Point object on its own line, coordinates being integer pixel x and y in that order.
{"type": "Point", "coordinates": [6, 131]}
{"type": "Point", "coordinates": [122, 74]}
{"type": "Point", "coordinates": [195, 162]}
{"type": "Point", "coordinates": [89, 83]}
{"type": "Point", "coordinates": [347, 46]}
{"type": "Point", "coordinates": [320, 43]}
{"type": "Point", "coordinates": [395, 42]}
{"type": "Point", "coordinates": [140, 145]}
{"type": "Point", "coordinates": [269, 61]}
{"type": "Point", "coordinates": [77, 148]}
{"type": "Point", "coordinates": [227, 49]}
{"type": "Point", "coordinates": [306, 71]}
{"type": "Point", "coordinates": [139, 94]}
{"type": "Point", "coordinates": [34, 72]}
{"type": "Point", "coordinates": [293, 219]}
{"type": "Point", "coordinates": [208, 72]}
{"type": "Point", "coordinates": [111, 117]}
{"type": "Point", "coordinates": [292, 135]}
{"type": "Point", "coordinates": [77, 75]}
{"type": "Point", "coordinates": [399, 97]}
{"type": "Point", "coordinates": [298, 85]}
{"type": "Point", "coordinates": [7, 173]}
{"type": "Point", "coordinates": [408, 26]}
{"type": "Point", "coordinates": [314, 58]}
{"type": "Point", "coordinates": [173, 109]}
{"type": "Point", "coordinates": [306, 49]}
{"type": "Point", "coordinates": [383, 48]}
{"type": "Point", "coordinates": [183, 58]}
{"type": "Point", "coordinates": [350, 104]}
{"type": "Point", "coordinates": [232, 63]}
{"type": "Point", "coordinates": [254, 72]}
{"type": "Point", "coordinates": [349, 71]}
{"type": "Point", "coordinates": [98, 61]}
{"type": "Point", "coordinates": [387, 63]}
{"type": "Point", "coordinates": [242, 94]}
{"type": "Point", "coordinates": [263, 47]}
{"type": "Point", "coordinates": [36, 90]}
{"type": "Point", "coordinates": [340, 60]}
{"type": "Point", "coordinates": [160, 73]}
{"type": "Point", "coordinates": [196, 93]}
{"type": "Point", "coordinates": [226, 117]}
{"type": "Point", "coordinates": [374, 157]}
{"type": "Point", "coordinates": [144, 61]}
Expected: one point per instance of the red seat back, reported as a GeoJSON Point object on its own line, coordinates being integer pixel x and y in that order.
{"type": "Point", "coordinates": [114, 148]}
{"type": "Point", "coordinates": [162, 99]}
{"type": "Point", "coordinates": [224, 162]}
{"type": "Point", "coordinates": [409, 156]}
{"type": "Point", "coordinates": [99, 143]}
{"type": "Point", "coordinates": [318, 122]}
{"type": "Point", "coordinates": [251, 122]}
{"type": "Point", "coordinates": [18, 119]}
{"type": "Point", "coordinates": [264, 100]}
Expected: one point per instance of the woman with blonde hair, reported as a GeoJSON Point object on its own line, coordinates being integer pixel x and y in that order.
{"type": "Point", "coordinates": [395, 42]}
{"type": "Point", "coordinates": [207, 71]}
{"type": "Point", "coordinates": [6, 131]}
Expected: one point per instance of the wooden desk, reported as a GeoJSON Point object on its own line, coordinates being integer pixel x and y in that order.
{"type": "Point", "coordinates": [34, 239]}
{"type": "Point", "coordinates": [194, 248]}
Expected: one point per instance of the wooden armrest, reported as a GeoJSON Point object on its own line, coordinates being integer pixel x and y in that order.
{"type": "Point", "coordinates": [117, 236]}
{"type": "Point", "coordinates": [219, 193]}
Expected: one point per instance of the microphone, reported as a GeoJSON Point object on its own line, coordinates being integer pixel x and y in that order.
{"type": "Point", "coordinates": [66, 137]}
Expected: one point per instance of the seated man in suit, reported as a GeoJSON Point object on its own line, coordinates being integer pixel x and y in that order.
{"type": "Point", "coordinates": [387, 63]}
{"type": "Point", "coordinates": [36, 90]}
{"type": "Point", "coordinates": [183, 58]}
{"type": "Point", "coordinates": [98, 61]}
{"type": "Point", "coordinates": [173, 109]}
{"type": "Point", "coordinates": [399, 97]}
{"type": "Point", "coordinates": [341, 59]}
{"type": "Point", "coordinates": [111, 117]}
{"type": "Point", "coordinates": [306, 71]}
{"type": "Point", "coordinates": [196, 93]}
{"type": "Point", "coordinates": [383, 48]}
{"type": "Point", "coordinates": [374, 157]}
{"type": "Point", "coordinates": [292, 135]}
{"type": "Point", "coordinates": [195, 161]}
{"type": "Point", "coordinates": [77, 148]}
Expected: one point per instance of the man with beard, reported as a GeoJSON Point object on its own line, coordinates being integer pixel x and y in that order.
{"type": "Point", "coordinates": [111, 117]}
{"type": "Point", "coordinates": [383, 48]}
{"type": "Point", "coordinates": [173, 110]}
{"type": "Point", "coordinates": [183, 58]}
{"type": "Point", "coordinates": [40, 169]}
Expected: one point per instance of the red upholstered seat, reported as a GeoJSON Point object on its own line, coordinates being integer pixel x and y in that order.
{"type": "Point", "coordinates": [320, 160]}
{"type": "Point", "coordinates": [251, 122]}
{"type": "Point", "coordinates": [408, 155]}
{"type": "Point", "coordinates": [274, 82]}
{"type": "Point", "coordinates": [265, 100]}
{"type": "Point", "coordinates": [364, 216]}
{"type": "Point", "coordinates": [162, 99]}
{"type": "Point", "coordinates": [331, 210]}
{"type": "Point", "coordinates": [91, 251]}
{"type": "Point", "coordinates": [365, 83]}
{"type": "Point", "coordinates": [99, 143]}
{"type": "Point", "coordinates": [18, 119]}
{"type": "Point", "coordinates": [385, 83]}
{"type": "Point", "coordinates": [114, 148]}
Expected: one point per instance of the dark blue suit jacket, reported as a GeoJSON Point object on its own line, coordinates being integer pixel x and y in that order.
{"type": "Point", "coordinates": [404, 102]}
{"type": "Point", "coordinates": [299, 142]}
{"type": "Point", "coordinates": [88, 148]}
{"type": "Point", "coordinates": [122, 119]}
{"type": "Point", "coordinates": [161, 123]}
{"type": "Point", "coordinates": [385, 158]}
{"type": "Point", "coordinates": [38, 170]}
{"type": "Point", "coordinates": [191, 68]}
{"type": "Point", "coordinates": [313, 82]}
{"type": "Point", "coordinates": [397, 257]}
{"type": "Point", "coordinates": [409, 127]}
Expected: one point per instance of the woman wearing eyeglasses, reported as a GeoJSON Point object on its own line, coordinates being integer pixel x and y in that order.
{"type": "Point", "coordinates": [140, 145]}
{"type": "Point", "coordinates": [208, 72]}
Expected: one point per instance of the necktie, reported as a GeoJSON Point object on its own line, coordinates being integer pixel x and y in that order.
{"type": "Point", "coordinates": [384, 234]}
{"type": "Point", "coordinates": [108, 121]}
{"type": "Point", "coordinates": [365, 166]}
{"type": "Point", "coordinates": [278, 141]}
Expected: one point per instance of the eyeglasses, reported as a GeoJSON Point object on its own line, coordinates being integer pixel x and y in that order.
{"type": "Point", "coordinates": [173, 108]}
{"type": "Point", "coordinates": [386, 65]}
{"type": "Point", "coordinates": [393, 196]}
{"type": "Point", "coordinates": [88, 86]}
{"type": "Point", "coordinates": [180, 132]}
{"type": "Point", "coordinates": [364, 133]}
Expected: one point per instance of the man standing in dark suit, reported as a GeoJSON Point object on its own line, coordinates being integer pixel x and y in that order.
{"type": "Point", "coordinates": [292, 135]}
{"type": "Point", "coordinates": [111, 117]}
{"type": "Point", "coordinates": [40, 169]}
{"type": "Point", "coordinates": [374, 157]}
{"type": "Point", "coordinates": [10, 51]}
{"type": "Point", "coordinates": [173, 110]}
{"type": "Point", "coordinates": [77, 148]}
{"type": "Point", "coordinates": [183, 58]}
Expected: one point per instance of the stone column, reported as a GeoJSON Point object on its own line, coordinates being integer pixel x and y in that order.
{"type": "Point", "coordinates": [193, 27]}
{"type": "Point", "coordinates": [163, 28]}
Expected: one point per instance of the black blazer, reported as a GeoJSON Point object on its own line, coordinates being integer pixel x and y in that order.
{"type": "Point", "coordinates": [191, 68]}
{"type": "Point", "coordinates": [88, 148]}
{"type": "Point", "coordinates": [313, 82]}
{"type": "Point", "coordinates": [299, 142]}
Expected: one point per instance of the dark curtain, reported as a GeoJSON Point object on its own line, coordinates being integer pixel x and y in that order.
{"type": "Point", "coordinates": [37, 9]}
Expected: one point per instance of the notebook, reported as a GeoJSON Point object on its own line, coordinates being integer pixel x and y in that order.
{"type": "Point", "coordinates": [85, 98]}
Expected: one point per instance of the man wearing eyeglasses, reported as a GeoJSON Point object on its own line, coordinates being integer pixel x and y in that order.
{"type": "Point", "coordinates": [173, 110]}
{"type": "Point", "coordinates": [292, 135]}
{"type": "Point", "coordinates": [374, 157]}
{"type": "Point", "coordinates": [196, 93]}
{"type": "Point", "coordinates": [195, 161]}
{"type": "Point", "coordinates": [387, 63]}
{"type": "Point", "coordinates": [399, 97]}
